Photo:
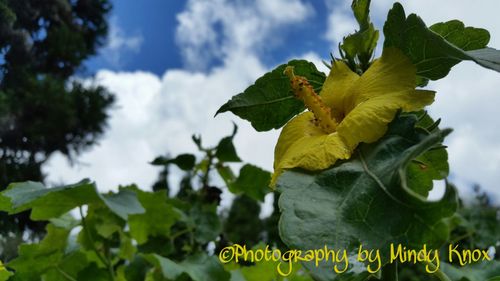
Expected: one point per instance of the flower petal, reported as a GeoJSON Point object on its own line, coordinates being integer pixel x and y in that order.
{"type": "Point", "coordinates": [392, 72]}
{"type": "Point", "coordinates": [304, 145]}
{"type": "Point", "coordinates": [335, 92]}
{"type": "Point", "coordinates": [368, 121]}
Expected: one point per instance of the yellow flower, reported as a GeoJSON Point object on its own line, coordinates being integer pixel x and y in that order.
{"type": "Point", "coordinates": [350, 109]}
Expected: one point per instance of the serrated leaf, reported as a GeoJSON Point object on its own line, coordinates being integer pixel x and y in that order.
{"type": "Point", "coordinates": [252, 181]}
{"type": "Point", "coordinates": [156, 220]}
{"type": "Point", "coordinates": [465, 38]}
{"type": "Point", "coordinates": [270, 103]}
{"type": "Point", "coordinates": [225, 150]}
{"type": "Point", "coordinates": [199, 267]}
{"type": "Point", "coordinates": [365, 201]}
{"type": "Point", "coordinates": [436, 50]}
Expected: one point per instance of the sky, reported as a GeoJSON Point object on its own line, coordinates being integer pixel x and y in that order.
{"type": "Point", "coordinates": [172, 64]}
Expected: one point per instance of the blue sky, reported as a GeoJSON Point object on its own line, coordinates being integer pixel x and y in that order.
{"type": "Point", "coordinates": [155, 22]}
{"type": "Point", "coordinates": [172, 64]}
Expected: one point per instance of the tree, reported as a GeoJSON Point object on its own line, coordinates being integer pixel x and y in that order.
{"type": "Point", "coordinates": [42, 109]}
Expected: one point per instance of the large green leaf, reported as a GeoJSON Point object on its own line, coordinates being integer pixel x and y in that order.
{"type": "Point", "coordinates": [156, 221]}
{"type": "Point", "coordinates": [436, 50]}
{"type": "Point", "coordinates": [365, 201]}
{"type": "Point", "coordinates": [270, 103]}
{"type": "Point", "coordinates": [199, 267]}
{"type": "Point", "coordinates": [47, 203]}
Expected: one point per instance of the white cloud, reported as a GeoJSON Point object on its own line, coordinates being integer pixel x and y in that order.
{"type": "Point", "coordinates": [118, 42]}
{"type": "Point", "coordinates": [340, 22]}
{"type": "Point", "coordinates": [213, 29]}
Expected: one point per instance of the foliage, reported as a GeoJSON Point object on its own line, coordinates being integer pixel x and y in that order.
{"type": "Point", "coordinates": [133, 234]}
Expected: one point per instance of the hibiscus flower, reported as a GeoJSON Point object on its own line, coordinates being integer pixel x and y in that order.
{"type": "Point", "coordinates": [349, 110]}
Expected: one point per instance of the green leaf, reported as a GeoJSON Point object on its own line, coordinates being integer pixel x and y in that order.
{"type": "Point", "coordinates": [358, 47]}
{"type": "Point", "coordinates": [226, 174]}
{"type": "Point", "coordinates": [431, 165]}
{"type": "Point", "coordinates": [199, 267]}
{"type": "Point", "coordinates": [252, 181]}
{"type": "Point", "coordinates": [123, 203]}
{"type": "Point", "coordinates": [69, 266]}
{"type": "Point", "coordinates": [156, 221]}
{"type": "Point", "coordinates": [66, 221]}
{"type": "Point", "coordinates": [185, 162]}
{"type": "Point", "coordinates": [365, 201]}
{"type": "Point", "coordinates": [436, 50]}
{"type": "Point", "coordinates": [270, 103]}
{"type": "Point", "coordinates": [206, 223]}
{"type": "Point", "coordinates": [92, 272]}
{"type": "Point", "coordinates": [424, 169]}
{"type": "Point", "coordinates": [102, 225]}
{"type": "Point", "coordinates": [36, 259]}
{"type": "Point", "coordinates": [481, 271]}
{"type": "Point", "coordinates": [487, 57]}
{"type": "Point", "coordinates": [225, 150]}
{"type": "Point", "coordinates": [361, 10]}
{"type": "Point", "coordinates": [465, 38]}
{"type": "Point", "coordinates": [4, 273]}
{"type": "Point", "coordinates": [47, 203]}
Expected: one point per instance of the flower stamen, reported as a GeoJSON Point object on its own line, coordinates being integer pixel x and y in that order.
{"type": "Point", "coordinates": [305, 92]}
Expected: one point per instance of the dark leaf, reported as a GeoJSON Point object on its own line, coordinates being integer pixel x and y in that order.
{"type": "Point", "coordinates": [270, 103]}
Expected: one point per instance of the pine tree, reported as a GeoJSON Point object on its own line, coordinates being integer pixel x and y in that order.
{"type": "Point", "coordinates": [42, 109]}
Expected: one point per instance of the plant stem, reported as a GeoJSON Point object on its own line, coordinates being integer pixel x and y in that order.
{"type": "Point", "coordinates": [206, 176]}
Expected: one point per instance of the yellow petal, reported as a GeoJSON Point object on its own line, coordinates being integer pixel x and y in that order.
{"type": "Point", "coordinates": [368, 121]}
{"type": "Point", "coordinates": [336, 89]}
{"type": "Point", "coordinates": [304, 145]}
{"type": "Point", "coordinates": [392, 72]}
